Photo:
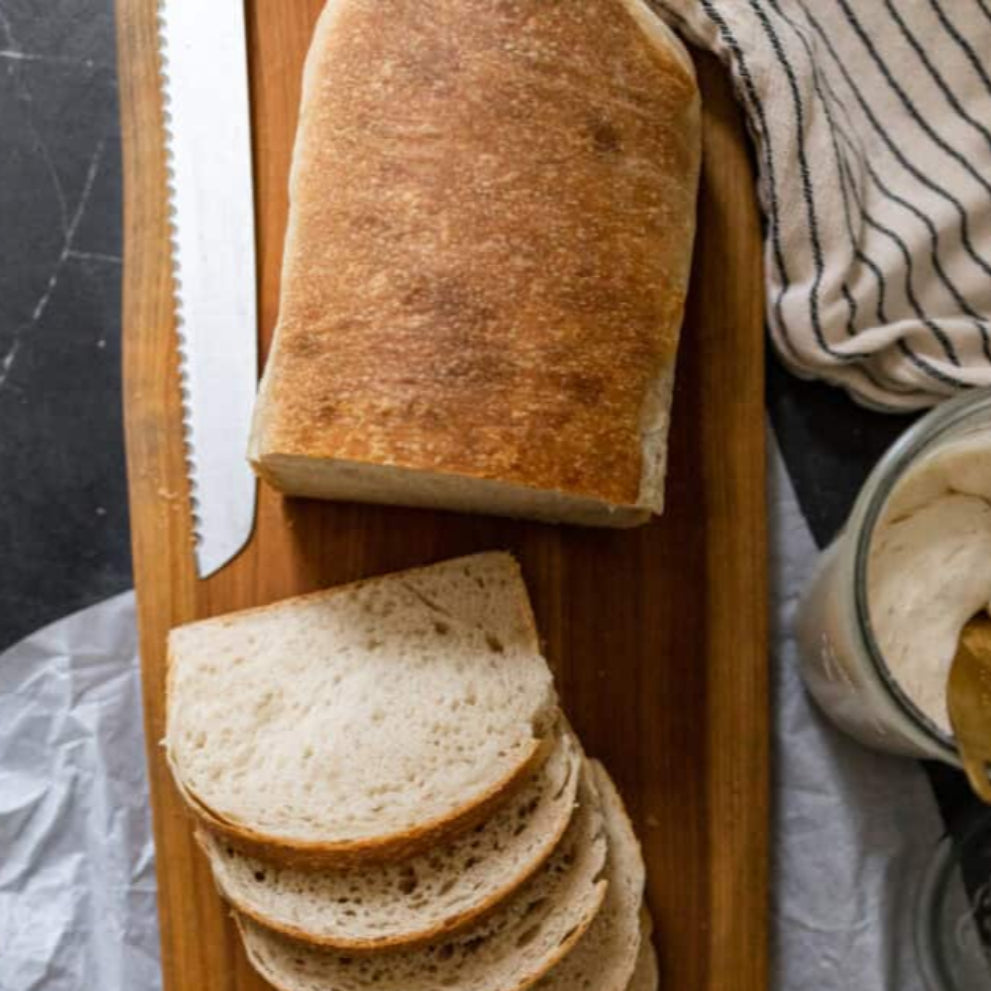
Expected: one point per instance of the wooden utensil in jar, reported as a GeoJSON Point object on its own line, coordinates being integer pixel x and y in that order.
{"type": "Point", "coordinates": [968, 696]}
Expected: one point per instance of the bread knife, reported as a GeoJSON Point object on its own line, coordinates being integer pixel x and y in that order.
{"type": "Point", "coordinates": [204, 70]}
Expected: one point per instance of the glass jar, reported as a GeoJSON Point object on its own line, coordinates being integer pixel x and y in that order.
{"type": "Point", "coordinates": [953, 912]}
{"type": "Point", "coordinates": [841, 663]}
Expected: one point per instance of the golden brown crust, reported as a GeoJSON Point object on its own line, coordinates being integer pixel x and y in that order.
{"type": "Point", "coordinates": [489, 242]}
{"type": "Point", "coordinates": [454, 924]}
{"type": "Point", "coordinates": [301, 853]}
{"type": "Point", "coordinates": [527, 981]}
{"type": "Point", "coordinates": [397, 846]}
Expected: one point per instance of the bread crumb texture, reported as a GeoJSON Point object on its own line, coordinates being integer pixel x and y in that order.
{"type": "Point", "coordinates": [509, 949]}
{"type": "Point", "coordinates": [384, 903]}
{"type": "Point", "coordinates": [363, 711]}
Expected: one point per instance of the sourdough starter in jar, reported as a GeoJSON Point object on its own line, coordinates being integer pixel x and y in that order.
{"type": "Point", "coordinates": [879, 624]}
{"type": "Point", "coordinates": [929, 569]}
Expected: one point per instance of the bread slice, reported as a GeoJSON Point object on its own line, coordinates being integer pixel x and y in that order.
{"type": "Point", "coordinates": [411, 901]}
{"type": "Point", "coordinates": [363, 721]}
{"type": "Point", "coordinates": [486, 260]}
{"type": "Point", "coordinates": [507, 951]}
{"type": "Point", "coordinates": [645, 976]}
{"type": "Point", "coordinates": [606, 956]}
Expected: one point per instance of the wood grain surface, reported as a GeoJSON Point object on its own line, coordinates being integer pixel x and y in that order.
{"type": "Point", "coordinates": [657, 635]}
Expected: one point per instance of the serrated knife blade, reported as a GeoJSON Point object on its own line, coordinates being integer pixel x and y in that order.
{"type": "Point", "coordinates": [203, 58]}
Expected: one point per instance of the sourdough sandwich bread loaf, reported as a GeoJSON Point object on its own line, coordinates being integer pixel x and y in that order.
{"type": "Point", "coordinates": [488, 249]}
{"type": "Point", "coordinates": [542, 937]}
{"type": "Point", "coordinates": [409, 901]}
{"type": "Point", "coordinates": [366, 720]}
{"type": "Point", "coordinates": [509, 949]}
{"type": "Point", "coordinates": [390, 799]}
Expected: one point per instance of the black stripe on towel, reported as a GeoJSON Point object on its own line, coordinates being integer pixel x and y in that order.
{"type": "Point", "coordinates": [925, 180]}
{"type": "Point", "coordinates": [984, 9]}
{"type": "Point", "coordinates": [803, 167]}
{"type": "Point", "coordinates": [776, 247]}
{"type": "Point", "coordinates": [896, 239]}
{"type": "Point", "coordinates": [979, 322]}
{"type": "Point", "coordinates": [762, 125]}
{"type": "Point", "coordinates": [908, 205]}
{"type": "Point", "coordinates": [846, 178]}
{"type": "Point", "coordinates": [808, 196]}
{"type": "Point", "coordinates": [937, 331]}
{"type": "Point", "coordinates": [934, 73]}
{"type": "Point", "coordinates": [903, 345]}
{"type": "Point", "coordinates": [907, 102]}
{"type": "Point", "coordinates": [840, 170]}
{"type": "Point", "coordinates": [964, 45]}
{"type": "Point", "coordinates": [730, 39]}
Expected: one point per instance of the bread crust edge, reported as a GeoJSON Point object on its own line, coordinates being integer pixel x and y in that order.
{"type": "Point", "coordinates": [450, 926]}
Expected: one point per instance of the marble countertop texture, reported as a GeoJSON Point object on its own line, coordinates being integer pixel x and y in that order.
{"type": "Point", "coordinates": [63, 512]}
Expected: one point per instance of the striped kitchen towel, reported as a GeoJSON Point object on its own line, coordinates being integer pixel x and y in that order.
{"type": "Point", "coordinates": [872, 120]}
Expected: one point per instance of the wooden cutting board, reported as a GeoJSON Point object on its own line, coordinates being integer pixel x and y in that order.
{"type": "Point", "coordinates": [658, 635]}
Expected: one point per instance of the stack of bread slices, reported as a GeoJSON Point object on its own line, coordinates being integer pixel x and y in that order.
{"type": "Point", "coordinates": [390, 798]}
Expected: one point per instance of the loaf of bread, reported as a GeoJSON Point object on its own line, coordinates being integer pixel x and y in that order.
{"type": "Point", "coordinates": [378, 905]}
{"type": "Point", "coordinates": [364, 721]}
{"type": "Point", "coordinates": [391, 800]}
{"type": "Point", "coordinates": [509, 949]}
{"type": "Point", "coordinates": [488, 250]}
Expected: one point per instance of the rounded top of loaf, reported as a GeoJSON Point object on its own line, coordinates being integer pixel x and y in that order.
{"type": "Point", "coordinates": [488, 251]}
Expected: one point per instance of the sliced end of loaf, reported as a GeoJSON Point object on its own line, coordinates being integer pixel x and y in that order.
{"type": "Point", "coordinates": [354, 481]}
{"type": "Point", "coordinates": [656, 421]}
{"type": "Point", "coordinates": [661, 36]}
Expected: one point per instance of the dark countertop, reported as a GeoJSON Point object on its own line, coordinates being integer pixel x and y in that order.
{"type": "Point", "coordinates": [63, 510]}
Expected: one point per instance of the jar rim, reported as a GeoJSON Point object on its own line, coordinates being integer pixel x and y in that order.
{"type": "Point", "coordinates": [930, 901]}
{"type": "Point", "coordinates": [865, 516]}
{"type": "Point", "coordinates": [931, 889]}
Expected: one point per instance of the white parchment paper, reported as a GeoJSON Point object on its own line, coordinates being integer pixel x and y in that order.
{"type": "Point", "coordinates": [853, 830]}
{"type": "Point", "coordinates": [77, 876]}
